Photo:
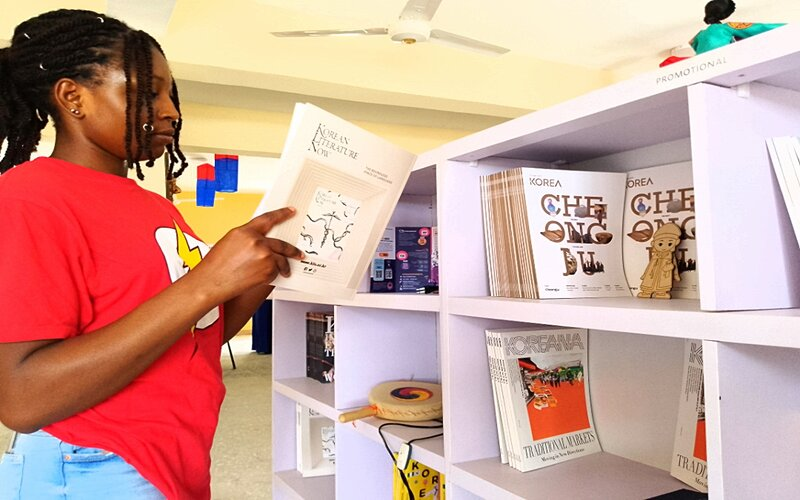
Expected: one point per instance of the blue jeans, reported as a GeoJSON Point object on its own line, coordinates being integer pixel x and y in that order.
{"type": "Point", "coordinates": [42, 467]}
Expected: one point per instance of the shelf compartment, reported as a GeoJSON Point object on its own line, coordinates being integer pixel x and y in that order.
{"type": "Point", "coordinates": [429, 451]}
{"type": "Point", "coordinates": [680, 318]}
{"type": "Point", "coordinates": [601, 475]}
{"type": "Point", "coordinates": [292, 485]}
{"type": "Point", "coordinates": [310, 393]}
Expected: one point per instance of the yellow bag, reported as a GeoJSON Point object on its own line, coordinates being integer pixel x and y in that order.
{"type": "Point", "coordinates": [425, 483]}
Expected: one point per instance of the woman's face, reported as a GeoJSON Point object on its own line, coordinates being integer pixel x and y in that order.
{"type": "Point", "coordinates": [104, 127]}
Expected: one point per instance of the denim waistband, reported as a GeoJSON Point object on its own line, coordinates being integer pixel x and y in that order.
{"type": "Point", "coordinates": [43, 442]}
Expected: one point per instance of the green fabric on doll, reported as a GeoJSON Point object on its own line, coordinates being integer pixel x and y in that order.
{"type": "Point", "coordinates": [721, 34]}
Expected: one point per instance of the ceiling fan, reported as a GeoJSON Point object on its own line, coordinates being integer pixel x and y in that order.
{"type": "Point", "coordinates": [412, 26]}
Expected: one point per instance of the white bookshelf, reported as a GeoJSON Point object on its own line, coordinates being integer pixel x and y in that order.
{"type": "Point", "coordinates": [715, 110]}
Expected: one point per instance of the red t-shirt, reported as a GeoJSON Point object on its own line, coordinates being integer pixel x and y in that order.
{"type": "Point", "coordinates": [78, 250]}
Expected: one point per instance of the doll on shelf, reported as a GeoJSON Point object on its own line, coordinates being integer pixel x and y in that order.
{"type": "Point", "coordinates": [718, 34]}
{"type": "Point", "coordinates": [663, 266]}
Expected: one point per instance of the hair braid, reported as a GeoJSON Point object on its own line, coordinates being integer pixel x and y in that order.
{"type": "Point", "coordinates": [74, 44]}
{"type": "Point", "coordinates": [175, 153]}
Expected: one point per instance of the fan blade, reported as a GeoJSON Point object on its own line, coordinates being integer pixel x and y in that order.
{"type": "Point", "coordinates": [462, 42]}
{"type": "Point", "coordinates": [420, 9]}
{"type": "Point", "coordinates": [364, 31]}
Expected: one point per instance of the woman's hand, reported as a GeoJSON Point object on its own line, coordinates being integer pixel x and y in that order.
{"type": "Point", "coordinates": [245, 257]}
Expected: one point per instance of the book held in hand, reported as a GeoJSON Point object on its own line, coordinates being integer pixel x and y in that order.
{"type": "Point", "coordinates": [344, 183]}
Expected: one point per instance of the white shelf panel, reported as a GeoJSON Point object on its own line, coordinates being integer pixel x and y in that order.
{"type": "Point", "coordinates": [429, 451]}
{"type": "Point", "coordinates": [310, 393]}
{"type": "Point", "coordinates": [601, 475]}
{"type": "Point", "coordinates": [297, 487]}
{"type": "Point", "coordinates": [681, 318]}
{"type": "Point", "coordinates": [402, 301]}
{"type": "Point", "coordinates": [621, 116]}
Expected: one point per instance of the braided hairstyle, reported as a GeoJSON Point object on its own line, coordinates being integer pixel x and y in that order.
{"type": "Point", "coordinates": [76, 44]}
{"type": "Point", "coordinates": [717, 10]}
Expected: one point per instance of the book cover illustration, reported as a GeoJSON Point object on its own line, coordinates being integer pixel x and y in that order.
{"type": "Point", "coordinates": [320, 346]}
{"type": "Point", "coordinates": [316, 443]}
{"type": "Point", "coordinates": [548, 395]}
{"type": "Point", "coordinates": [689, 460]}
{"type": "Point", "coordinates": [412, 258]}
{"type": "Point", "coordinates": [575, 223]}
{"type": "Point", "coordinates": [329, 218]}
{"type": "Point", "coordinates": [656, 196]}
{"type": "Point", "coordinates": [345, 183]}
{"type": "Point", "coordinates": [425, 483]}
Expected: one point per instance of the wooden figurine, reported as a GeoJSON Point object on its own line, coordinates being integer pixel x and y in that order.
{"type": "Point", "coordinates": [663, 266]}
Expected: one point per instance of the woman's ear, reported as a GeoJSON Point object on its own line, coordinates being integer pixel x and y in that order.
{"type": "Point", "coordinates": [68, 97]}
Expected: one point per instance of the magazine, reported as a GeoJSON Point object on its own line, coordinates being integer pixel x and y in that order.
{"type": "Point", "coordinates": [554, 233]}
{"type": "Point", "coordinates": [344, 183]}
{"type": "Point", "coordinates": [656, 196]}
{"type": "Point", "coordinates": [494, 375]}
{"type": "Point", "coordinates": [548, 408]}
{"type": "Point", "coordinates": [689, 462]}
{"type": "Point", "coordinates": [784, 153]}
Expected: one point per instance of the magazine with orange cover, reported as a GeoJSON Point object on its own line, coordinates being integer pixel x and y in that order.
{"type": "Point", "coordinates": [548, 402]}
{"type": "Point", "coordinates": [689, 462]}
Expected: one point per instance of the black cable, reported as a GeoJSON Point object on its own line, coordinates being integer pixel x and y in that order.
{"type": "Point", "coordinates": [391, 454]}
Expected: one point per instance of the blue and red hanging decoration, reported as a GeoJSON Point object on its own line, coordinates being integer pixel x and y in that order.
{"type": "Point", "coordinates": [206, 185]}
{"type": "Point", "coordinates": [227, 169]}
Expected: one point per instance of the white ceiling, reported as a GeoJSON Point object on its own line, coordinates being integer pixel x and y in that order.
{"type": "Point", "coordinates": [558, 48]}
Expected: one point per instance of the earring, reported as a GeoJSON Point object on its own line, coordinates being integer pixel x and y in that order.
{"type": "Point", "coordinates": [147, 127]}
{"type": "Point", "coordinates": [74, 111]}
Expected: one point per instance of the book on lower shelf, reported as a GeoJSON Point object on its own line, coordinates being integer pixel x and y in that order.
{"type": "Point", "coordinates": [345, 183]}
{"type": "Point", "coordinates": [554, 233]}
{"type": "Point", "coordinates": [320, 346]}
{"type": "Point", "coordinates": [784, 153]}
{"type": "Point", "coordinates": [656, 196]}
{"type": "Point", "coordinates": [543, 390]}
{"type": "Point", "coordinates": [316, 443]}
{"type": "Point", "coordinates": [689, 461]}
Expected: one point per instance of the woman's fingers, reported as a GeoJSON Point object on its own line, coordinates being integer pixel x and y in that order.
{"type": "Point", "coordinates": [283, 248]}
{"type": "Point", "coordinates": [264, 222]}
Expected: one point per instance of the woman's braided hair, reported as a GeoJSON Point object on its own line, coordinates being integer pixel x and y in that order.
{"type": "Point", "coordinates": [75, 44]}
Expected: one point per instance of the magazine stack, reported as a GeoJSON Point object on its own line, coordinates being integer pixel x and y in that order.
{"type": "Point", "coordinates": [540, 383]}
{"type": "Point", "coordinates": [554, 233]}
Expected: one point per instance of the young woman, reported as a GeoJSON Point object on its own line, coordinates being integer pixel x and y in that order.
{"type": "Point", "coordinates": [113, 311]}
